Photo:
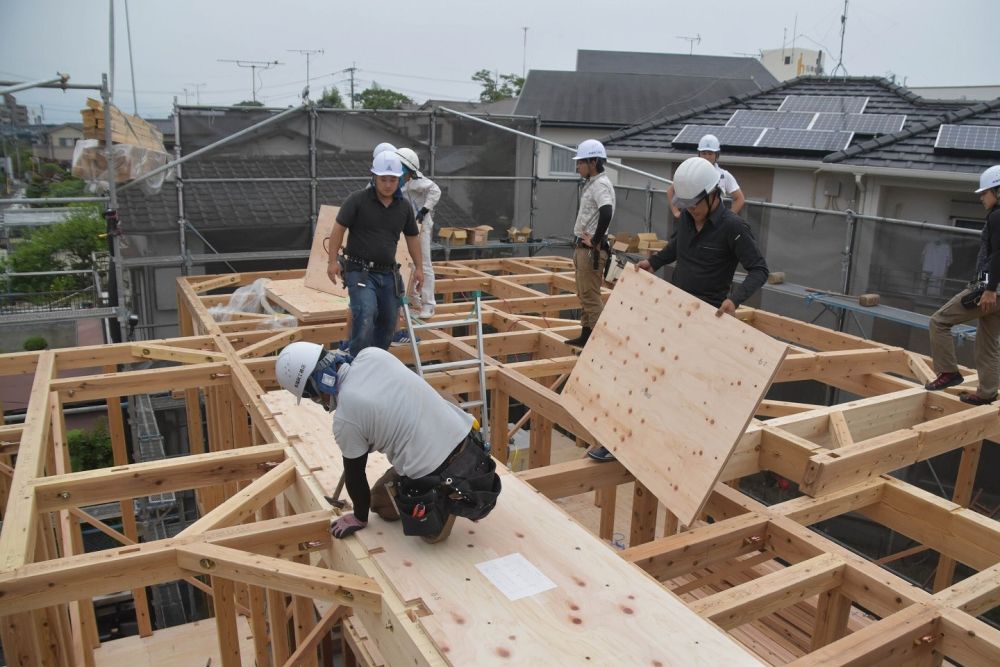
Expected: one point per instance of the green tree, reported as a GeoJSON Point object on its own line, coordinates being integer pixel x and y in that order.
{"type": "Point", "coordinates": [89, 450]}
{"type": "Point", "coordinates": [249, 103]}
{"type": "Point", "coordinates": [330, 99]}
{"type": "Point", "coordinates": [377, 97]}
{"type": "Point", "coordinates": [66, 245]}
{"type": "Point", "coordinates": [501, 88]}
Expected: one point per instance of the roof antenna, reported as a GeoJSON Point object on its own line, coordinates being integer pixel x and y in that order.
{"type": "Point", "coordinates": [691, 42]}
{"type": "Point", "coordinates": [840, 58]}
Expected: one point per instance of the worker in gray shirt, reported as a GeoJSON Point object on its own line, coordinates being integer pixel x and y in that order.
{"type": "Point", "coordinates": [439, 466]}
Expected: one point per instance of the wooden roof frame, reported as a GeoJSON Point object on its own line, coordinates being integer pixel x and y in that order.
{"type": "Point", "coordinates": [263, 532]}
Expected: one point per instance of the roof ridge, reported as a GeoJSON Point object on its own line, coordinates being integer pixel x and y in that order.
{"type": "Point", "coordinates": [955, 115]}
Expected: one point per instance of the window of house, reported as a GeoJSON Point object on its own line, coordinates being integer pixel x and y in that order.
{"type": "Point", "coordinates": [64, 141]}
{"type": "Point", "coordinates": [788, 60]}
{"type": "Point", "coordinates": [562, 162]}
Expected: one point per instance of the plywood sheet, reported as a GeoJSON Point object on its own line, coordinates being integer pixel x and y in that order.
{"type": "Point", "coordinates": [179, 646]}
{"type": "Point", "coordinates": [308, 306]}
{"type": "Point", "coordinates": [319, 254]}
{"type": "Point", "coordinates": [603, 611]}
{"type": "Point", "coordinates": [669, 387]}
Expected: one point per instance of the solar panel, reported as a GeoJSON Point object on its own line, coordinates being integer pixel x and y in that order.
{"type": "Point", "coordinates": [861, 123]}
{"type": "Point", "coordinates": [751, 118]}
{"type": "Point", "coordinates": [969, 138]}
{"type": "Point", "coordinates": [728, 136]}
{"type": "Point", "coordinates": [824, 103]}
{"type": "Point", "coordinates": [805, 140]}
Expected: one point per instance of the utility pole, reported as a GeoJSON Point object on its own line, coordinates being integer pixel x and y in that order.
{"type": "Point", "coordinates": [197, 92]}
{"type": "Point", "coordinates": [524, 54]}
{"type": "Point", "coordinates": [253, 65]}
{"type": "Point", "coordinates": [307, 53]}
{"type": "Point", "coordinates": [351, 69]}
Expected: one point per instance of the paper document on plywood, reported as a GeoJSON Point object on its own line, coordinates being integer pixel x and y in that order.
{"type": "Point", "coordinates": [515, 576]}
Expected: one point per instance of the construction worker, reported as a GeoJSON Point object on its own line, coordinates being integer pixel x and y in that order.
{"type": "Point", "coordinates": [423, 195]}
{"type": "Point", "coordinates": [707, 244]}
{"type": "Point", "coordinates": [383, 147]}
{"type": "Point", "coordinates": [376, 215]}
{"type": "Point", "coordinates": [590, 240]}
{"type": "Point", "coordinates": [439, 468]}
{"type": "Point", "coordinates": [709, 149]}
{"type": "Point", "coordinates": [976, 302]}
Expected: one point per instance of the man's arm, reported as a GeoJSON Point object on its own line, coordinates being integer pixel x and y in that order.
{"type": "Point", "coordinates": [413, 246]}
{"type": "Point", "coordinates": [356, 483]}
{"type": "Point", "coordinates": [989, 299]}
{"type": "Point", "coordinates": [739, 201]}
{"type": "Point", "coordinates": [604, 215]}
{"type": "Point", "coordinates": [743, 244]}
{"type": "Point", "coordinates": [336, 241]}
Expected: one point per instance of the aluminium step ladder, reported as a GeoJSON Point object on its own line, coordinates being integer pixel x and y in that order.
{"type": "Point", "coordinates": [474, 318]}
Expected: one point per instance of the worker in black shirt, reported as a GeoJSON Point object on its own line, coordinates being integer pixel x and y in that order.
{"type": "Point", "coordinates": [976, 302]}
{"type": "Point", "coordinates": [375, 215]}
{"type": "Point", "coordinates": [708, 242]}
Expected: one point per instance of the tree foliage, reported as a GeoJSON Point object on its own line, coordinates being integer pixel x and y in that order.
{"type": "Point", "coordinates": [377, 97]}
{"type": "Point", "coordinates": [249, 103]}
{"type": "Point", "coordinates": [501, 88]}
{"type": "Point", "coordinates": [330, 99]}
{"type": "Point", "coordinates": [66, 245]}
{"type": "Point", "coordinates": [89, 450]}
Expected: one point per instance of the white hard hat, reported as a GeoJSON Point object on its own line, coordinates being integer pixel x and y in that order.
{"type": "Point", "coordinates": [709, 143]}
{"type": "Point", "coordinates": [989, 179]}
{"type": "Point", "coordinates": [694, 180]}
{"type": "Point", "coordinates": [387, 164]}
{"type": "Point", "coordinates": [295, 365]}
{"type": "Point", "coordinates": [409, 159]}
{"type": "Point", "coordinates": [383, 147]}
{"type": "Point", "coordinates": [590, 148]}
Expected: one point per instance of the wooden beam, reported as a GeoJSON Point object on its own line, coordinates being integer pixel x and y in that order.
{"type": "Point", "coordinates": [178, 354]}
{"type": "Point", "coordinates": [333, 616]}
{"type": "Point", "coordinates": [772, 592]}
{"type": "Point", "coordinates": [833, 610]}
{"type": "Point", "coordinates": [143, 479]}
{"type": "Point", "coordinates": [642, 527]}
{"type": "Point", "coordinates": [224, 603]}
{"type": "Point", "coordinates": [965, 479]}
{"type": "Point", "coordinates": [275, 573]}
{"type": "Point", "coordinates": [969, 640]}
{"type": "Point", "coordinates": [93, 387]}
{"type": "Point", "coordinates": [560, 480]}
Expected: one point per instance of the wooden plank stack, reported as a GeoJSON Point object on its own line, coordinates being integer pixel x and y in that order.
{"type": "Point", "coordinates": [125, 128]}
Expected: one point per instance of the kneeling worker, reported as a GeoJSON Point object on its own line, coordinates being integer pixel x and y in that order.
{"type": "Point", "coordinates": [439, 467]}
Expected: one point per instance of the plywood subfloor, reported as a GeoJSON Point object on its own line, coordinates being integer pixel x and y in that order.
{"type": "Point", "coordinates": [191, 645]}
{"type": "Point", "coordinates": [669, 387]}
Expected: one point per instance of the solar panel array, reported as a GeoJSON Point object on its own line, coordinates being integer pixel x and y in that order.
{"type": "Point", "coordinates": [861, 123]}
{"type": "Point", "coordinates": [968, 138]}
{"type": "Point", "coordinates": [805, 140]}
{"type": "Point", "coordinates": [745, 137]}
{"type": "Point", "coordinates": [824, 103]}
{"type": "Point", "coordinates": [751, 118]}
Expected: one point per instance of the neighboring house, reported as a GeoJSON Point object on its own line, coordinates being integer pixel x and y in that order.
{"type": "Point", "coordinates": [790, 63]}
{"type": "Point", "coordinates": [12, 113]}
{"type": "Point", "coordinates": [903, 157]}
{"type": "Point", "coordinates": [966, 93]}
{"type": "Point", "coordinates": [58, 142]}
{"type": "Point", "coordinates": [615, 89]}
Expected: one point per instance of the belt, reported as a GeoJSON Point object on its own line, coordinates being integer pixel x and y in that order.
{"type": "Point", "coordinates": [369, 265]}
{"type": "Point", "coordinates": [578, 243]}
{"type": "Point", "coordinates": [454, 455]}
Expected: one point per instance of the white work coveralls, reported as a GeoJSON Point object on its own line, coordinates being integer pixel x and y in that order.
{"type": "Point", "coordinates": [424, 193]}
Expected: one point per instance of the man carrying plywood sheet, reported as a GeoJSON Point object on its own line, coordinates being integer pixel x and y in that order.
{"type": "Point", "coordinates": [440, 469]}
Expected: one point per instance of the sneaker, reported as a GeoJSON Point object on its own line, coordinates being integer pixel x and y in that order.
{"type": "Point", "coordinates": [976, 399]}
{"type": "Point", "coordinates": [943, 381]}
{"type": "Point", "coordinates": [426, 314]}
{"type": "Point", "coordinates": [601, 454]}
{"type": "Point", "coordinates": [402, 337]}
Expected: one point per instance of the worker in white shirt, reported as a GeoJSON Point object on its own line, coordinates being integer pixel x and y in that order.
{"type": "Point", "coordinates": [440, 469]}
{"type": "Point", "coordinates": [423, 195]}
{"type": "Point", "coordinates": [709, 149]}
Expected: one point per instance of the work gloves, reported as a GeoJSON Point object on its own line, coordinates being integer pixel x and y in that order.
{"type": "Point", "coordinates": [346, 525]}
{"type": "Point", "coordinates": [422, 213]}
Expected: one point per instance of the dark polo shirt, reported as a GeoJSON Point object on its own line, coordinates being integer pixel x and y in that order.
{"type": "Point", "coordinates": [375, 228]}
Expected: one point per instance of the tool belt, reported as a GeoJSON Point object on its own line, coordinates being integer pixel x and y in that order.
{"type": "Point", "coordinates": [465, 485]}
{"type": "Point", "coordinates": [357, 263]}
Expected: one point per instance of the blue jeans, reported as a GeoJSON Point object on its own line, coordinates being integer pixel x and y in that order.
{"type": "Point", "coordinates": [374, 308]}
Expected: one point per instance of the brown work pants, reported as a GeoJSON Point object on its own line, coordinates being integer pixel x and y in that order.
{"type": "Point", "coordinates": [987, 342]}
{"type": "Point", "coordinates": [588, 284]}
{"type": "Point", "coordinates": [381, 500]}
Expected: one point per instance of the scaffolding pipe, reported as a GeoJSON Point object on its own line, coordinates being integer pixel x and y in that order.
{"type": "Point", "coordinates": [613, 165]}
{"type": "Point", "coordinates": [54, 200]}
{"type": "Point", "coordinates": [313, 171]}
{"type": "Point", "coordinates": [60, 86]}
{"type": "Point", "coordinates": [179, 188]}
{"type": "Point", "coordinates": [221, 142]}
{"type": "Point", "coordinates": [13, 88]}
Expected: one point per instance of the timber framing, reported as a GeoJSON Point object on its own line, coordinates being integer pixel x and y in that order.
{"type": "Point", "coordinates": [758, 575]}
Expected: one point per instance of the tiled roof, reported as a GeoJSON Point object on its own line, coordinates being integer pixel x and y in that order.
{"type": "Point", "coordinates": [911, 148]}
{"type": "Point", "coordinates": [256, 204]}
{"type": "Point", "coordinates": [678, 64]}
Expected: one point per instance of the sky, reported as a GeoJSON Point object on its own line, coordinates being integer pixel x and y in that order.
{"type": "Point", "coordinates": [430, 49]}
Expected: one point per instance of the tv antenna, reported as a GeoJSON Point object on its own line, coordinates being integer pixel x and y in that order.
{"type": "Point", "coordinates": [843, 30]}
{"type": "Point", "coordinates": [691, 42]}
{"type": "Point", "coordinates": [197, 92]}
{"type": "Point", "coordinates": [253, 65]}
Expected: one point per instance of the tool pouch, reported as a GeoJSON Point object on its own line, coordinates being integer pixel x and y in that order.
{"type": "Point", "coordinates": [421, 511]}
{"type": "Point", "coordinates": [971, 300]}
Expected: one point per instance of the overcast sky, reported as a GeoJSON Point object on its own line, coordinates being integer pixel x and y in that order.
{"type": "Point", "coordinates": [432, 47]}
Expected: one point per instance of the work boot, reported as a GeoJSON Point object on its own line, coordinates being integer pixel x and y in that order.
{"type": "Point", "coordinates": [943, 381]}
{"type": "Point", "coordinates": [443, 535]}
{"type": "Point", "coordinates": [976, 399]}
{"type": "Point", "coordinates": [582, 339]}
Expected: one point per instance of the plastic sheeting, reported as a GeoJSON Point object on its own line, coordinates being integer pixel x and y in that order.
{"type": "Point", "coordinates": [252, 299]}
